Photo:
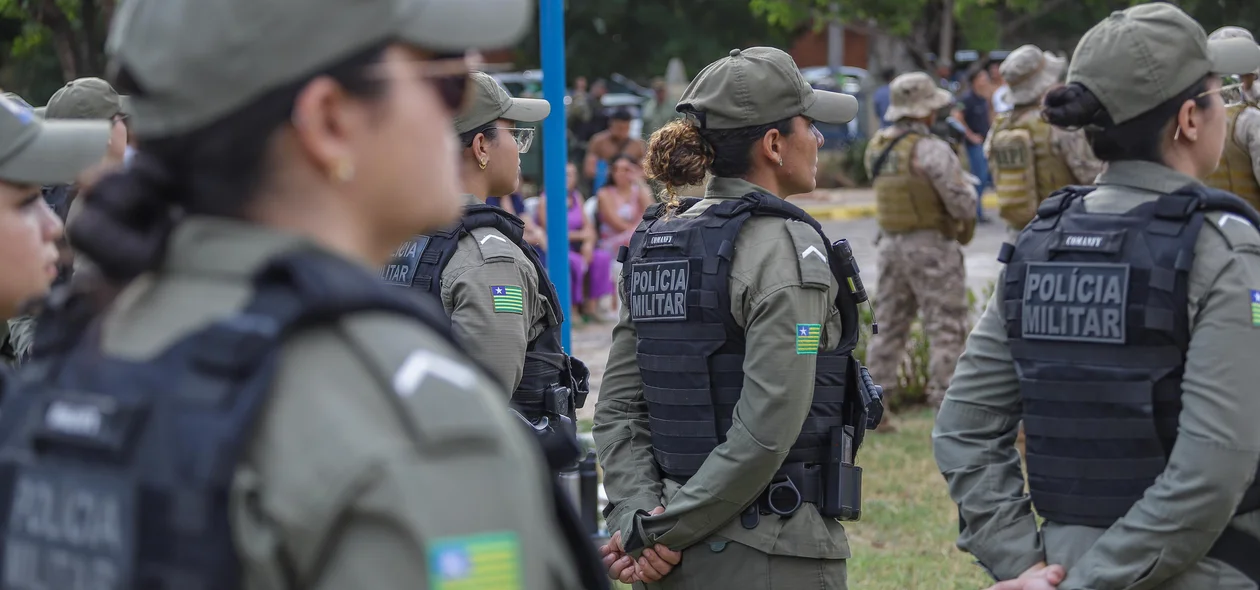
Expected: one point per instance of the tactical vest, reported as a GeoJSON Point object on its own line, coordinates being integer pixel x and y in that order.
{"type": "Point", "coordinates": [1235, 173]}
{"type": "Point", "coordinates": [553, 383]}
{"type": "Point", "coordinates": [904, 201]}
{"type": "Point", "coordinates": [690, 351]}
{"type": "Point", "coordinates": [115, 473]}
{"type": "Point", "coordinates": [1025, 168]}
{"type": "Point", "coordinates": [1098, 325]}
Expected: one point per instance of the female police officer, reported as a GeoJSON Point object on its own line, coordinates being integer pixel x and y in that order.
{"type": "Point", "coordinates": [270, 178]}
{"type": "Point", "coordinates": [1115, 335]}
{"type": "Point", "coordinates": [489, 280]}
{"type": "Point", "coordinates": [725, 382]}
{"type": "Point", "coordinates": [34, 153]}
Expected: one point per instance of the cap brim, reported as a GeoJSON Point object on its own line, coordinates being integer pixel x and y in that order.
{"type": "Point", "coordinates": [61, 151]}
{"type": "Point", "coordinates": [458, 25]}
{"type": "Point", "coordinates": [1234, 57]}
{"type": "Point", "coordinates": [124, 104]}
{"type": "Point", "coordinates": [527, 110]}
{"type": "Point", "coordinates": [832, 108]}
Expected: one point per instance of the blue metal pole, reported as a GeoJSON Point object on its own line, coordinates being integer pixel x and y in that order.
{"type": "Point", "coordinates": [555, 155]}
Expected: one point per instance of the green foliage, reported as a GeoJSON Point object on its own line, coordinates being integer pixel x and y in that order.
{"type": "Point", "coordinates": [637, 38]}
{"type": "Point", "coordinates": [854, 162]}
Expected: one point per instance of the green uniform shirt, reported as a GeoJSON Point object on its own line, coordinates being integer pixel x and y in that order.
{"type": "Point", "coordinates": [773, 289]}
{"type": "Point", "coordinates": [1161, 542]}
{"type": "Point", "coordinates": [495, 328]}
{"type": "Point", "coordinates": [378, 448]}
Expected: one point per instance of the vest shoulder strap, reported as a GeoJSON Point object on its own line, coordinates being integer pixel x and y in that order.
{"type": "Point", "coordinates": [1060, 200]}
{"type": "Point", "coordinates": [498, 234]}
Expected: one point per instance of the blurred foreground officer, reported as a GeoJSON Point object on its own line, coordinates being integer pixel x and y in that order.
{"type": "Point", "coordinates": [1123, 335]}
{"type": "Point", "coordinates": [79, 100]}
{"type": "Point", "coordinates": [1028, 157]}
{"type": "Point", "coordinates": [732, 406]}
{"type": "Point", "coordinates": [926, 209]}
{"type": "Point", "coordinates": [257, 410]}
{"type": "Point", "coordinates": [1239, 170]}
{"type": "Point", "coordinates": [34, 153]}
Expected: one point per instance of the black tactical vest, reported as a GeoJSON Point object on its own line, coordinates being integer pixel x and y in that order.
{"type": "Point", "coordinates": [1097, 320]}
{"type": "Point", "coordinates": [115, 474]}
{"type": "Point", "coordinates": [676, 282]}
{"type": "Point", "coordinates": [553, 383]}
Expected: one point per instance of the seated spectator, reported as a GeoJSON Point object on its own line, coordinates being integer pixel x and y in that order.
{"type": "Point", "coordinates": [622, 203]}
{"type": "Point", "coordinates": [607, 145]}
{"type": "Point", "coordinates": [589, 266]}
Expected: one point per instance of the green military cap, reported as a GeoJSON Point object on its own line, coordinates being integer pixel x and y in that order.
{"type": "Point", "coordinates": [490, 102]}
{"type": "Point", "coordinates": [195, 61]}
{"type": "Point", "coordinates": [758, 86]}
{"type": "Point", "coordinates": [1141, 57]}
{"type": "Point", "coordinates": [85, 98]}
{"type": "Point", "coordinates": [34, 151]}
{"type": "Point", "coordinates": [915, 95]}
{"type": "Point", "coordinates": [1233, 33]}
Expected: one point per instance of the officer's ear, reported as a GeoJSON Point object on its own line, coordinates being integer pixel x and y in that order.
{"type": "Point", "coordinates": [772, 146]}
{"type": "Point", "coordinates": [480, 148]}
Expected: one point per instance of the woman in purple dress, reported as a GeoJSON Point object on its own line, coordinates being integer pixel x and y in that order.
{"type": "Point", "coordinates": [589, 266]}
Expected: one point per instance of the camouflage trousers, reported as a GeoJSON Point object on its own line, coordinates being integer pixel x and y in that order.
{"type": "Point", "coordinates": [919, 272]}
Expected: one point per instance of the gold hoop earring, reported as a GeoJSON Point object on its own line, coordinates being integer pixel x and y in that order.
{"type": "Point", "coordinates": [343, 171]}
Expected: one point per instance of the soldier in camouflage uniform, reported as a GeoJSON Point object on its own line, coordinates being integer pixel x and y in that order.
{"type": "Point", "coordinates": [1029, 158]}
{"type": "Point", "coordinates": [1240, 162]}
{"type": "Point", "coordinates": [926, 208]}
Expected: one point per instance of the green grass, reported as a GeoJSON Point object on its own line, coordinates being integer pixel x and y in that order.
{"type": "Point", "coordinates": [906, 536]}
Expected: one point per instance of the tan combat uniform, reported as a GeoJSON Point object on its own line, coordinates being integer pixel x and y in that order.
{"type": "Point", "coordinates": [773, 289]}
{"type": "Point", "coordinates": [1160, 543]}
{"type": "Point", "coordinates": [348, 481]}
{"type": "Point", "coordinates": [1029, 159]}
{"type": "Point", "coordinates": [497, 336]}
{"type": "Point", "coordinates": [1240, 162]}
{"type": "Point", "coordinates": [925, 207]}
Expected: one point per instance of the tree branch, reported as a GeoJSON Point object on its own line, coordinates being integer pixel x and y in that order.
{"type": "Point", "coordinates": [1015, 24]}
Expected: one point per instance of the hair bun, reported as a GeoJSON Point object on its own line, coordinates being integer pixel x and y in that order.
{"type": "Point", "coordinates": [1074, 106]}
{"type": "Point", "coordinates": [126, 219]}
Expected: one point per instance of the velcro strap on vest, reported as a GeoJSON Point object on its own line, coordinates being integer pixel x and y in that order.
{"type": "Point", "coordinates": [1119, 392]}
{"type": "Point", "coordinates": [1091, 428]}
{"type": "Point", "coordinates": [1088, 511]}
{"type": "Point", "coordinates": [1104, 469]}
{"type": "Point", "coordinates": [691, 397]}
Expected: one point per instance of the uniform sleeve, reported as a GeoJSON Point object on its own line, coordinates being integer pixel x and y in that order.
{"type": "Point", "coordinates": [1074, 148]}
{"type": "Point", "coordinates": [935, 161]}
{"type": "Point", "coordinates": [775, 398]}
{"type": "Point", "coordinates": [1218, 444]}
{"type": "Point", "coordinates": [974, 443]}
{"type": "Point", "coordinates": [1247, 134]}
{"type": "Point", "coordinates": [622, 434]}
{"type": "Point", "coordinates": [379, 446]}
{"type": "Point", "coordinates": [490, 320]}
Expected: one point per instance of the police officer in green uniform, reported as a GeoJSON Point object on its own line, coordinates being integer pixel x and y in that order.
{"type": "Point", "coordinates": [257, 410]}
{"type": "Point", "coordinates": [729, 412]}
{"type": "Point", "coordinates": [489, 280]}
{"type": "Point", "coordinates": [34, 153]}
{"type": "Point", "coordinates": [502, 305]}
{"type": "Point", "coordinates": [1121, 333]}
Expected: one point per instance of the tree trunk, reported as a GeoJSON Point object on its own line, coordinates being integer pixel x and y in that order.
{"type": "Point", "coordinates": [946, 52]}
